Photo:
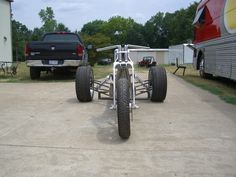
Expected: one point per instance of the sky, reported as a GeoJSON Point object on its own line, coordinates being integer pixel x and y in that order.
{"type": "Point", "coordinates": [75, 13]}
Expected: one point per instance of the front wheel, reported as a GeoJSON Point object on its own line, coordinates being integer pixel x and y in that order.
{"type": "Point", "coordinates": [157, 83]}
{"type": "Point", "coordinates": [123, 111]}
{"type": "Point", "coordinates": [84, 83]}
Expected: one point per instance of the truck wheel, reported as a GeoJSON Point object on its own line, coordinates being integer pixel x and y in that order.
{"type": "Point", "coordinates": [123, 99]}
{"type": "Point", "coordinates": [34, 73]}
{"type": "Point", "coordinates": [84, 83]}
{"type": "Point", "coordinates": [202, 69]}
{"type": "Point", "coordinates": [157, 83]}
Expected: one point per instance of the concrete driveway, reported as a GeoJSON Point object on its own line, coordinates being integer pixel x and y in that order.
{"type": "Point", "coordinates": [46, 132]}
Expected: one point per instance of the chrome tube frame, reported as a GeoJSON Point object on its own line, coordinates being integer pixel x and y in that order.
{"type": "Point", "coordinates": [120, 62]}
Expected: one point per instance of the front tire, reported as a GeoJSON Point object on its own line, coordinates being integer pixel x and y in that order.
{"type": "Point", "coordinates": [158, 83]}
{"type": "Point", "coordinates": [34, 73]}
{"type": "Point", "coordinates": [123, 112]}
{"type": "Point", "coordinates": [84, 83]}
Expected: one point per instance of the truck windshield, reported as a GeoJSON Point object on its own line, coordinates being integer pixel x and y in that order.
{"type": "Point", "coordinates": [60, 37]}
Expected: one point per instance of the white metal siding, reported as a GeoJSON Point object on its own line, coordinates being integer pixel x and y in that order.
{"type": "Point", "coordinates": [176, 51]}
{"type": "Point", "coordinates": [220, 56]}
{"type": "Point", "coordinates": [182, 52]}
{"type": "Point", "coordinates": [5, 31]}
{"type": "Point", "coordinates": [188, 54]}
{"type": "Point", "coordinates": [210, 62]}
{"type": "Point", "coordinates": [224, 57]}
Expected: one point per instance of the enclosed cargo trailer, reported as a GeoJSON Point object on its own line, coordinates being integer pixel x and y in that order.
{"type": "Point", "coordinates": [182, 52]}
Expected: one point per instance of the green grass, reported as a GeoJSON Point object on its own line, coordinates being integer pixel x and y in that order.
{"type": "Point", "coordinates": [101, 71]}
{"type": "Point", "coordinates": [225, 89]}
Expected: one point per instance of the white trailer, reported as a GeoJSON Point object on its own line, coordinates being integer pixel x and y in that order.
{"type": "Point", "coordinates": [183, 52]}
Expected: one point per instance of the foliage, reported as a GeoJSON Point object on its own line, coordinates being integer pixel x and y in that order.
{"type": "Point", "coordinates": [20, 34]}
{"type": "Point", "coordinates": [155, 32]}
{"type": "Point", "coordinates": [62, 27]}
{"type": "Point", "coordinates": [117, 28]}
{"type": "Point", "coordinates": [97, 40]}
{"type": "Point", "coordinates": [37, 34]}
{"type": "Point", "coordinates": [165, 29]}
{"type": "Point", "coordinates": [48, 20]}
{"type": "Point", "coordinates": [93, 27]}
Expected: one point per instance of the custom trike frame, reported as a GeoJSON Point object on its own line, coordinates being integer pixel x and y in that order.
{"type": "Point", "coordinates": [122, 86]}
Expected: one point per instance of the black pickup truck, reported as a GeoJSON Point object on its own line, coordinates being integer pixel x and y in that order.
{"type": "Point", "coordinates": [60, 50]}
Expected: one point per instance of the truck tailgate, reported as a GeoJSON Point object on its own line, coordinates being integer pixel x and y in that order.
{"type": "Point", "coordinates": [53, 50]}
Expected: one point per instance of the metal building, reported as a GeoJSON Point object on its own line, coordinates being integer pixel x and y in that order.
{"type": "Point", "coordinates": [5, 31]}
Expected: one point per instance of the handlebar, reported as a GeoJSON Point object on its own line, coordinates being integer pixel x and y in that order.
{"type": "Point", "coordinates": [120, 47]}
{"type": "Point", "coordinates": [108, 48]}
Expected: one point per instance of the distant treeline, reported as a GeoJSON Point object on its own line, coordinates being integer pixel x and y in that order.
{"type": "Point", "coordinates": [161, 31]}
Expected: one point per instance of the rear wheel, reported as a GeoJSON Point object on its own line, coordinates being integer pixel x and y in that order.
{"type": "Point", "coordinates": [123, 112]}
{"type": "Point", "coordinates": [34, 73]}
{"type": "Point", "coordinates": [157, 83]}
{"type": "Point", "coordinates": [202, 72]}
{"type": "Point", "coordinates": [84, 83]}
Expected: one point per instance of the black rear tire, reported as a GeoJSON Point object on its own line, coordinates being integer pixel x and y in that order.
{"type": "Point", "coordinates": [158, 83]}
{"type": "Point", "coordinates": [34, 73]}
{"type": "Point", "coordinates": [123, 112]}
{"type": "Point", "coordinates": [84, 82]}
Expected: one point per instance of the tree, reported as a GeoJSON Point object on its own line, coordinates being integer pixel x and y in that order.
{"type": "Point", "coordinates": [48, 20]}
{"type": "Point", "coordinates": [165, 29]}
{"type": "Point", "coordinates": [155, 33]}
{"type": "Point", "coordinates": [97, 40]}
{"type": "Point", "coordinates": [37, 34]}
{"type": "Point", "coordinates": [120, 30]}
{"type": "Point", "coordinates": [135, 35]}
{"type": "Point", "coordinates": [62, 27]}
{"type": "Point", "coordinates": [117, 28]}
{"type": "Point", "coordinates": [20, 35]}
{"type": "Point", "coordinates": [94, 27]}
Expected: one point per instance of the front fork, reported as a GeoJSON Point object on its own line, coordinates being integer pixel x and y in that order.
{"type": "Point", "coordinates": [123, 72]}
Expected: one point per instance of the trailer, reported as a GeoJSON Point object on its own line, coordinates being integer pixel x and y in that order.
{"type": "Point", "coordinates": [182, 52]}
{"type": "Point", "coordinates": [215, 39]}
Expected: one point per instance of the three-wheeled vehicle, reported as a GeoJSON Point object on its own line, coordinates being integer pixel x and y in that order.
{"type": "Point", "coordinates": [122, 86]}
